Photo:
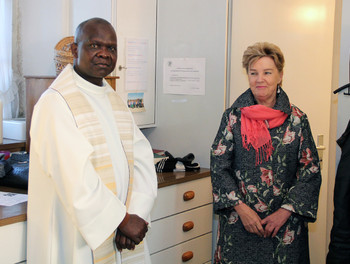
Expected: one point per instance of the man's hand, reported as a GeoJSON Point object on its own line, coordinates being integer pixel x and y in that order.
{"type": "Point", "coordinates": [123, 242]}
{"type": "Point", "coordinates": [250, 219]}
{"type": "Point", "coordinates": [135, 228]}
{"type": "Point", "coordinates": [274, 221]}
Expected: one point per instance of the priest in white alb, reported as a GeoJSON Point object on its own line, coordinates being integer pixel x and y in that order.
{"type": "Point", "coordinates": [92, 181]}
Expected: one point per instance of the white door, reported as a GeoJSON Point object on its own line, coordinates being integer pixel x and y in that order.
{"type": "Point", "coordinates": [135, 23]}
{"type": "Point", "coordinates": [136, 28]}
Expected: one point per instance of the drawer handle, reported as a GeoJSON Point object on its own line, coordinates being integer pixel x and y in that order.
{"type": "Point", "coordinates": [188, 195]}
{"type": "Point", "coordinates": [187, 226]}
{"type": "Point", "coordinates": [187, 256]}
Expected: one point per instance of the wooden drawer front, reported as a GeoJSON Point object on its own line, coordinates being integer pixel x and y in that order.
{"type": "Point", "coordinates": [170, 199]}
{"type": "Point", "coordinates": [199, 247]}
{"type": "Point", "coordinates": [168, 232]}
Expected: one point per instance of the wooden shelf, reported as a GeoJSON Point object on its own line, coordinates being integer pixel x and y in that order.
{"type": "Point", "coordinates": [12, 145]}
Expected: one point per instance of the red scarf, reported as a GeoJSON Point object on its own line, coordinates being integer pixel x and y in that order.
{"type": "Point", "coordinates": [255, 123]}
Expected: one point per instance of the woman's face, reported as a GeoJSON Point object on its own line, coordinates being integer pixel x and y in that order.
{"type": "Point", "coordinates": [263, 77]}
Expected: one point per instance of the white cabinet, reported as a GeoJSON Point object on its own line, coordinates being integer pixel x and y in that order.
{"type": "Point", "coordinates": [197, 248]}
{"type": "Point", "coordinates": [13, 243]}
{"type": "Point", "coordinates": [181, 225]}
{"type": "Point", "coordinates": [181, 230]}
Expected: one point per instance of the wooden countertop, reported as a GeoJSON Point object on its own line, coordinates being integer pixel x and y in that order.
{"type": "Point", "coordinates": [18, 212]}
{"type": "Point", "coordinates": [12, 145]}
{"type": "Point", "coordinates": [13, 214]}
{"type": "Point", "coordinates": [171, 178]}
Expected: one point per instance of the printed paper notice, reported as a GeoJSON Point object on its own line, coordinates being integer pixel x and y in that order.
{"type": "Point", "coordinates": [136, 64]}
{"type": "Point", "coordinates": [184, 76]}
{"type": "Point", "coordinates": [10, 199]}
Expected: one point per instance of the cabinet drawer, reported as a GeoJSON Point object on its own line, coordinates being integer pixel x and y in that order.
{"type": "Point", "coordinates": [171, 198]}
{"type": "Point", "coordinates": [200, 248]}
{"type": "Point", "coordinates": [167, 232]}
{"type": "Point", "coordinates": [13, 242]}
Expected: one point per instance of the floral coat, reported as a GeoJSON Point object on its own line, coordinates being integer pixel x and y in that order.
{"type": "Point", "coordinates": [290, 179]}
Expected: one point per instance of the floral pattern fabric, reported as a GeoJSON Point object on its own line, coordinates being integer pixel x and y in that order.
{"type": "Point", "coordinates": [289, 179]}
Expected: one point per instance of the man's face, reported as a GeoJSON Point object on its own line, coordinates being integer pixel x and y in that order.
{"type": "Point", "coordinates": [95, 54]}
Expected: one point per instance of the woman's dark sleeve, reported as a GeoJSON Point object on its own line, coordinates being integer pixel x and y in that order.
{"type": "Point", "coordinates": [302, 197]}
{"type": "Point", "coordinates": [225, 189]}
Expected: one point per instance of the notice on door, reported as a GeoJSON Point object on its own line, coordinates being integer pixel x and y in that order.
{"type": "Point", "coordinates": [136, 64]}
{"type": "Point", "coordinates": [184, 76]}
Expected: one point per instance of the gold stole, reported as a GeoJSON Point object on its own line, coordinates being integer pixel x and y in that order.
{"type": "Point", "coordinates": [88, 123]}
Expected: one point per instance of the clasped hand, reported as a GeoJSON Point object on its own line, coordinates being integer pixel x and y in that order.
{"type": "Point", "coordinates": [132, 233]}
{"type": "Point", "coordinates": [254, 224]}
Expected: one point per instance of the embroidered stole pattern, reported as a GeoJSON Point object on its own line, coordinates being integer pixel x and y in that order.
{"type": "Point", "coordinates": [88, 123]}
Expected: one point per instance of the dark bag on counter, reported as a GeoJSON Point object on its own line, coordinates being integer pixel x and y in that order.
{"type": "Point", "coordinates": [168, 163]}
{"type": "Point", "coordinates": [15, 170]}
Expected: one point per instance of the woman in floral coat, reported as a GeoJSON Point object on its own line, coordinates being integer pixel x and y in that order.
{"type": "Point", "coordinates": [265, 170]}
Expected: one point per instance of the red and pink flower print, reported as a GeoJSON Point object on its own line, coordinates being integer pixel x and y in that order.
{"type": "Point", "coordinates": [242, 188]}
{"type": "Point", "coordinates": [276, 191]}
{"type": "Point", "coordinates": [233, 217]}
{"type": "Point", "coordinates": [216, 197]}
{"type": "Point", "coordinates": [261, 206]}
{"type": "Point", "coordinates": [306, 157]}
{"type": "Point", "coordinates": [220, 150]}
{"type": "Point", "coordinates": [232, 196]}
{"type": "Point", "coordinates": [301, 137]}
{"type": "Point", "coordinates": [232, 119]}
{"type": "Point", "coordinates": [288, 236]}
{"type": "Point", "coordinates": [252, 188]}
{"type": "Point", "coordinates": [288, 137]}
{"type": "Point", "coordinates": [296, 112]}
{"type": "Point", "coordinates": [266, 176]}
{"type": "Point", "coordinates": [314, 168]}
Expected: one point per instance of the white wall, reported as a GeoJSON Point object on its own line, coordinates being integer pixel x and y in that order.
{"type": "Point", "coordinates": [43, 25]}
{"type": "Point", "coordinates": [304, 31]}
{"type": "Point", "coordinates": [46, 22]}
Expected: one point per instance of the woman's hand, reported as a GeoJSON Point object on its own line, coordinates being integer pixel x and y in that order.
{"type": "Point", "coordinates": [250, 219]}
{"type": "Point", "coordinates": [274, 221]}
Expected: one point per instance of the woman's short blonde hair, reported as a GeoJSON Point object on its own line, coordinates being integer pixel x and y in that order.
{"type": "Point", "coordinates": [263, 49]}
